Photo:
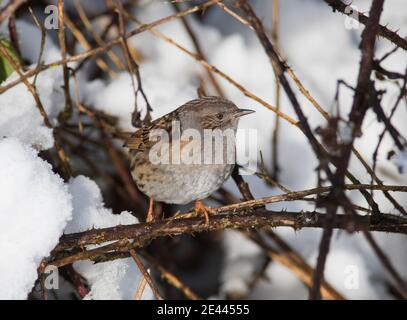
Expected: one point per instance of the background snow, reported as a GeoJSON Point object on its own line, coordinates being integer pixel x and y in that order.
{"type": "Point", "coordinates": [34, 208]}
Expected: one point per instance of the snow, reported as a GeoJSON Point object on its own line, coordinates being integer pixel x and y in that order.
{"type": "Point", "coordinates": [35, 206]}
{"type": "Point", "coordinates": [113, 280]}
{"type": "Point", "coordinates": [88, 208]}
{"type": "Point", "coordinates": [117, 279]}
{"type": "Point", "coordinates": [19, 115]}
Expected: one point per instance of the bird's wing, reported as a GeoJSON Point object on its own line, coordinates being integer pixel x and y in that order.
{"type": "Point", "coordinates": [140, 140]}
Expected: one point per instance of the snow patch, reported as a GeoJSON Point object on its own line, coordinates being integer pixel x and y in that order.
{"type": "Point", "coordinates": [35, 206]}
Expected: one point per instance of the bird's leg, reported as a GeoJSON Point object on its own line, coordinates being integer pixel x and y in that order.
{"type": "Point", "coordinates": [201, 208]}
{"type": "Point", "coordinates": [150, 213]}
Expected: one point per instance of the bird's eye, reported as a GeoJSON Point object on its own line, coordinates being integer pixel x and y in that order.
{"type": "Point", "coordinates": [219, 116]}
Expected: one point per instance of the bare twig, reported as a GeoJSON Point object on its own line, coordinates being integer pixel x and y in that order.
{"type": "Point", "coordinates": [140, 289]}
{"type": "Point", "coordinates": [274, 142]}
{"type": "Point", "coordinates": [145, 274]}
{"type": "Point", "coordinates": [61, 36]}
{"type": "Point", "coordinates": [144, 233]}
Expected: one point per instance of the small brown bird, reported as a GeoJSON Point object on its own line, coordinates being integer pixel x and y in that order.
{"type": "Point", "coordinates": [186, 170]}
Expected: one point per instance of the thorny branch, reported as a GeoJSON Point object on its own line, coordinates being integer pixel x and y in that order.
{"type": "Point", "coordinates": [144, 233]}
{"type": "Point", "coordinates": [356, 116]}
{"type": "Point", "coordinates": [383, 31]}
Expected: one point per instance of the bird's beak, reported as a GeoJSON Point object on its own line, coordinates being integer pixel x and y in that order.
{"type": "Point", "coordinates": [242, 112]}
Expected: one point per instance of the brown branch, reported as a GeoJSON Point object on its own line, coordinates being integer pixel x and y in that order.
{"type": "Point", "coordinates": [360, 101]}
{"type": "Point", "coordinates": [14, 38]}
{"type": "Point", "coordinates": [280, 69]}
{"type": "Point", "coordinates": [249, 205]}
{"type": "Point", "coordinates": [42, 46]}
{"type": "Point", "coordinates": [144, 233]}
{"type": "Point", "coordinates": [16, 66]}
{"type": "Point", "coordinates": [287, 257]}
{"type": "Point", "coordinates": [145, 274]}
{"type": "Point", "coordinates": [140, 289]}
{"type": "Point", "coordinates": [66, 113]}
{"type": "Point", "coordinates": [274, 143]}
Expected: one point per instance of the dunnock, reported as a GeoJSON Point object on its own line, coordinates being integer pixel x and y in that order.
{"type": "Point", "coordinates": [177, 180]}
